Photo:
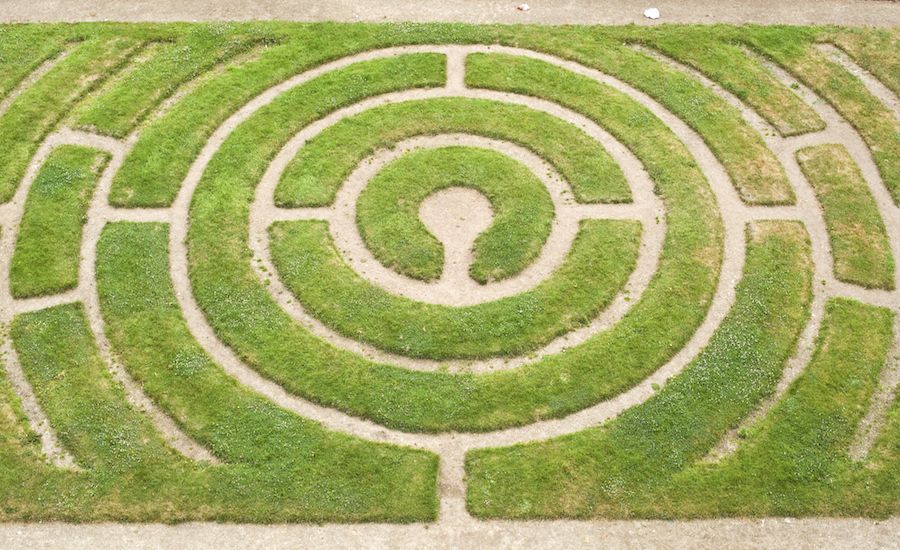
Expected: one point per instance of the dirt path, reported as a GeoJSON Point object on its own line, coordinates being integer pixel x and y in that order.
{"type": "Point", "coordinates": [455, 526]}
{"type": "Point", "coordinates": [880, 13]}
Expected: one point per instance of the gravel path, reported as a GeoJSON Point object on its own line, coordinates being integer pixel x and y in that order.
{"type": "Point", "coordinates": [455, 526]}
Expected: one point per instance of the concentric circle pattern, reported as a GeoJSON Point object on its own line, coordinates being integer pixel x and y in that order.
{"type": "Point", "coordinates": [362, 281]}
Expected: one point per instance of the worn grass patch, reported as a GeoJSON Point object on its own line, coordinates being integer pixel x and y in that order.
{"type": "Point", "coordinates": [48, 246]}
{"type": "Point", "coordinates": [859, 243]}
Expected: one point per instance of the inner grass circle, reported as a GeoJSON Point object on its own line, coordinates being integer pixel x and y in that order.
{"type": "Point", "coordinates": [387, 212]}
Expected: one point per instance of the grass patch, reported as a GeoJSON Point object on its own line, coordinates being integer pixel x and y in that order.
{"type": "Point", "coordinates": [387, 212]}
{"type": "Point", "coordinates": [612, 470]}
{"type": "Point", "coordinates": [601, 259]}
{"type": "Point", "coordinates": [126, 100]}
{"type": "Point", "coordinates": [743, 76]}
{"type": "Point", "coordinates": [48, 246]}
{"type": "Point", "coordinates": [859, 242]}
{"type": "Point", "coordinates": [315, 174]}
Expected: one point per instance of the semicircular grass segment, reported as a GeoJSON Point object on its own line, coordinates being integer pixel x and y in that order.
{"type": "Point", "coordinates": [246, 317]}
{"type": "Point", "coordinates": [48, 246]}
{"type": "Point", "coordinates": [603, 255]}
{"type": "Point", "coordinates": [387, 212]}
{"type": "Point", "coordinates": [315, 174]}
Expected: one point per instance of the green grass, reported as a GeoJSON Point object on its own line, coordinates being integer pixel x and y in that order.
{"type": "Point", "coordinates": [35, 113]}
{"type": "Point", "coordinates": [601, 259]}
{"type": "Point", "coordinates": [315, 174]}
{"type": "Point", "coordinates": [387, 212]}
{"type": "Point", "coordinates": [876, 50]}
{"type": "Point", "coordinates": [279, 467]}
{"type": "Point", "coordinates": [48, 246]}
{"type": "Point", "coordinates": [23, 49]}
{"type": "Point", "coordinates": [795, 462]}
{"type": "Point", "coordinates": [753, 168]}
{"type": "Point", "coordinates": [244, 315]}
{"type": "Point", "coordinates": [792, 463]}
{"type": "Point", "coordinates": [126, 100]}
{"type": "Point", "coordinates": [613, 470]}
{"type": "Point", "coordinates": [314, 467]}
{"type": "Point", "coordinates": [859, 242]}
{"type": "Point", "coordinates": [745, 77]}
{"type": "Point", "coordinates": [153, 172]}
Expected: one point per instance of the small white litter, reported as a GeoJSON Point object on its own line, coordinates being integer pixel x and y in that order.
{"type": "Point", "coordinates": [651, 13]}
{"type": "Point", "coordinates": [523, 7]}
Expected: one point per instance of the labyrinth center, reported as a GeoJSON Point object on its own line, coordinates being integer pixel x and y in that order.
{"type": "Point", "coordinates": [420, 281]}
{"type": "Point", "coordinates": [348, 305]}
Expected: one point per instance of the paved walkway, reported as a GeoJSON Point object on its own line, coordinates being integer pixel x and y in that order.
{"type": "Point", "coordinates": [881, 13]}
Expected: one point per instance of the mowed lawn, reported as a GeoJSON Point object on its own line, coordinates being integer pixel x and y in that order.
{"type": "Point", "coordinates": [101, 125]}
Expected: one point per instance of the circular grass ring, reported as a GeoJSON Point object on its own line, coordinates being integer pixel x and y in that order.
{"type": "Point", "coordinates": [313, 177]}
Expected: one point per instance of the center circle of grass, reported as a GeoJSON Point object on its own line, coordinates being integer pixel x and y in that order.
{"type": "Point", "coordinates": [388, 220]}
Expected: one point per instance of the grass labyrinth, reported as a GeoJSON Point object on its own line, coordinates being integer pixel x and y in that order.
{"type": "Point", "coordinates": [350, 273]}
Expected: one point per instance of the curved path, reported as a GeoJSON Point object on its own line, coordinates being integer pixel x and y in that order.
{"type": "Point", "coordinates": [452, 447]}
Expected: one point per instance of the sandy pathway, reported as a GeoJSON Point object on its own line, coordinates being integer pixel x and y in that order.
{"type": "Point", "coordinates": [455, 525]}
